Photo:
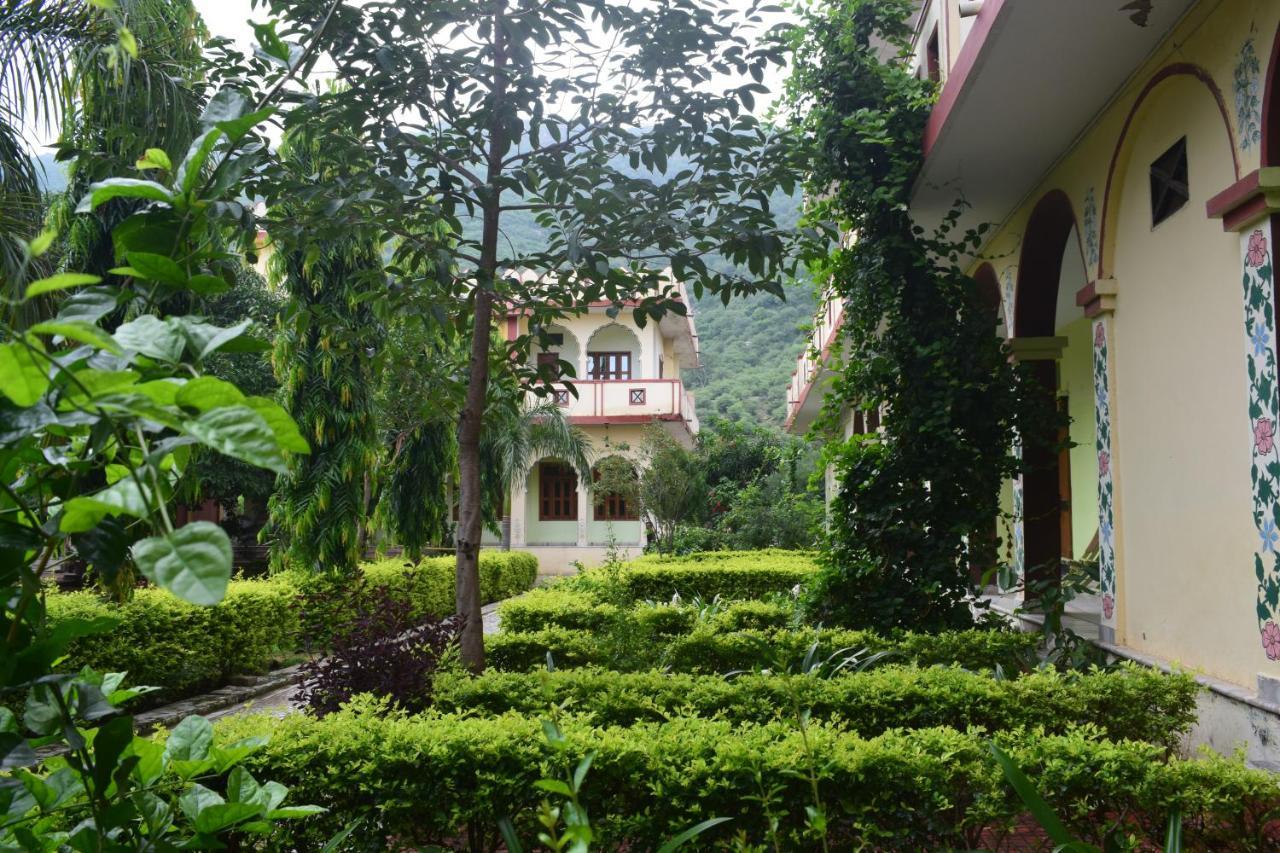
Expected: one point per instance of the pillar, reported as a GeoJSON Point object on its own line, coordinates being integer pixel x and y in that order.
{"type": "Point", "coordinates": [519, 507]}
{"type": "Point", "coordinates": [1099, 302]}
{"type": "Point", "coordinates": [584, 507]}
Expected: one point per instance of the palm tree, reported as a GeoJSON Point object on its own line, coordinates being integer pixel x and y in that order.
{"type": "Point", "coordinates": [514, 436]}
{"type": "Point", "coordinates": [116, 80]}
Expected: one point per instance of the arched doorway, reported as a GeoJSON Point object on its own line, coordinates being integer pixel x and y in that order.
{"type": "Point", "coordinates": [1059, 482]}
{"type": "Point", "coordinates": [615, 503]}
{"type": "Point", "coordinates": [553, 504]}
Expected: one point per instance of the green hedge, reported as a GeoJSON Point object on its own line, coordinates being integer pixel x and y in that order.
{"type": "Point", "coordinates": [561, 607]}
{"type": "Point", "coordinates": [184, 649]}
{"type": "Point", "coordinates": [437, 779]}
{"type": "Point", "coordinates": [709, 651]}
{"type": "Point", "coordinates": [162, 641]}
{"type": "Point", "coordinates": [1133, 703]}
{"type": "Point", "coordinates": [729, 574]}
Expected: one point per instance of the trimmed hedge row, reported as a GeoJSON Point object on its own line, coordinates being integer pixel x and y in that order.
{"type": "Point", "coordinates": [1133, 703]}
{"type": "Point", "coordinates": [162, 641]}
{"type": "Point", "coordinates": [181, 648]}
{"type": "Point", "coordinates": [437, 779]}
{"type": "Point", "coordinates": [557, 607]}
{"type": "Point", "coordinates": [709, 651]}
{"type": "Point", "coordinates": [729, 574]}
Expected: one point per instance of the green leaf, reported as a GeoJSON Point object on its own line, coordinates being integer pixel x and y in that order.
{"type": "Point", "coordinates": [293, 812]}
{"type": "Point", "coordinates": [208, 392]}
{"type": "Point", "coordinates": [206, 338]}
{"type": "Point", "coordinates": [79, 330]}
{"type": "Point", "coordinates": [193, 562]}
{"type": "Point", "coordinates": [190, 739]}
{"type": "Point", "coordinates": [1173, 832]}
{"type": "Point", "coordinates": [154, 158]}
{"type": "Point", "coordinates": [15, 752]}
{"type": "Point", "coordinates": [109, 743]}
{"type": "Point", "coordinates": [281, 423]}
{"type": "Point", "coordinates": [61, 281]}
{"type": "Point", "coordinates": [151, 336]}
{"type": "Point", "coordinates": [128, 42]}
{"type": "Point", "coordinates": [23, 377]}
{"type": "Point", "coordinates": [226, 105]}
{"type": "Point", "coordinates": [207, 285]}
{"type": "Point", "coordinates": [241, 433]}
{"type": "Point", "coordinates": [155, 267]}
{"type": "Point", "coordinates": [124, 497]}
{"type": "Point", "coordinates": [197, 798]}
{"type": "Point", "coordinates": [89, 305]}
{"type": "Point", "coordinates": [41, 243]}
{"type": "Point", "coordinates": [103, 191]}
{"type": "Point", "coordinates": [220, 816]}
{"type": "Point", "coordinates": [691, 833]}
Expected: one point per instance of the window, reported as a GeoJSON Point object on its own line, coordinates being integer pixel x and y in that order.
{"type": "Point", "coordinates": [562, 396]}
{"type": "Point", "coordinates": [1169, 187]}
{"type": "Point", "coordinates": [549, 362]}
{"type": "Point", "coordinates": [637, 396]}
{"type": "Point", "coordinates": [557, 492]}
{"type": "Point", "coordinates": [932, 60]}
{"type": "Point", "coordinates": [608, 365]}
{"type": "Point", "coordinates": [614, 507]}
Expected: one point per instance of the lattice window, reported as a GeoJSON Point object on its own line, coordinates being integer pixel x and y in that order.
{"type": "Point", "coordinates": [562, 396]}
{"type": "Point", "coordinates": [1170, 189]}
{"type": "Point", "coordinates": [637, 396]}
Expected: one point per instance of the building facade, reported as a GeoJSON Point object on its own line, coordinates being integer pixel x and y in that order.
{"type": "Point", "coordinates": [626, 378]}
{"type": "Point", "coordinates": [1128, 161]}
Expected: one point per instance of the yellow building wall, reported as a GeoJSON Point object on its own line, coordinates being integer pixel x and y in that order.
{"type": "Point", "coordinates": [1181, 431]}
{"type": "Point", "coordinates": [1075, 382]}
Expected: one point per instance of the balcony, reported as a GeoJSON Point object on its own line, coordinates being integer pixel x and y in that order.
{"type": "Point", "coordinates": [803, 402]}
{"type": "Point", "coordinates": [624, 401]}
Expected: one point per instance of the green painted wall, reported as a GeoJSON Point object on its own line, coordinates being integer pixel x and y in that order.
{"type": "Point", "coordinates": [624, 532]}
{"type": "Point", "coordinates": [545, 532]}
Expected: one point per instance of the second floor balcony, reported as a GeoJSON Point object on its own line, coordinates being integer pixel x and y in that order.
{"type": "Point", "coordinates": [621, 401]}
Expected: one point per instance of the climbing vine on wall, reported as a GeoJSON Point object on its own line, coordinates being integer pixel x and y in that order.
{"type": "Point", "coordinates": [919, 502]}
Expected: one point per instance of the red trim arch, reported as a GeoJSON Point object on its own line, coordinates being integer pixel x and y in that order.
{"type": "Point", "coordinates": [1271, 108]}
{"type": "Point", "coordinates": [1044, 242]}
{"type": "Point", "coordinates": [1179, 69]}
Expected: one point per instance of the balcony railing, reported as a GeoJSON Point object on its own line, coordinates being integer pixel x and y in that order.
{"type": "Point", "coordinates": [811, 362]}
{"type": "Point", "coordinates": [615, 398]}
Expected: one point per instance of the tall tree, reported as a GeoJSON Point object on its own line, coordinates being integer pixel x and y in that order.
{"type": "Point", "coordinates": [479, 108]}
{"type": "Point", "coordinates": [327, 342]}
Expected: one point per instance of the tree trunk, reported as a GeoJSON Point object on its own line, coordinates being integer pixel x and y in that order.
{"type": "Point", "coordinates": [469, 519]}
{"type": "Point", "coordinates": [471, 420]}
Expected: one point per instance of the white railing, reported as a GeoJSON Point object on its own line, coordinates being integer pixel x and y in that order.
{"type": "Point", "coordinates": [612, 398]}
{"type": "Point", "coordinates": [809, 365]}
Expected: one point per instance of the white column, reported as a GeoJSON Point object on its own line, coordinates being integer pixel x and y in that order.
{"type": "Point", "coordinates": [1102, 311]}
{"type": "Point", "coordinates": [519, 506]}
{"type": "Point", "coordinates": [583, 508]}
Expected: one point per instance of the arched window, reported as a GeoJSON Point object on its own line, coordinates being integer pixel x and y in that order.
{"type": "Point", "coordinates": [557, 492]}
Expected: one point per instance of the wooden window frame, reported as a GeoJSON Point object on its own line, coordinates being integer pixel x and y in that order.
{"type": "Point", "coordinates": [613, 507]}
{"type": "Point", "coordinates": [557, 492]}
{"type": "Point", "coordinates": [621, 364]}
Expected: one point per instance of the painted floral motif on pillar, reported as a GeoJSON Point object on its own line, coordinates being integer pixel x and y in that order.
{"type": "Point", "coordinates": [1246, 86]}
{"type": "Point", "coordinates": [1091, 228]}
{"type": "Point", "coordinates": [1260, 330]}
{"type": "Point", "coordinates": [1106, 483]}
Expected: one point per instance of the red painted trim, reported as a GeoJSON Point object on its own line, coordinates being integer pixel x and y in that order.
{"type": "Point", "coordinates": [513, 325]}
{"type": "Point", "coordinates": [1044, 243]}
{"type": "Point", "coordinates": [602, 420]}
{"type": "Point", "coordinates": [1240, 204]}
{"type": "Point", "coordinates": [958, 75]}
{"type": "Point", "coordinates": [1271, 108]}
{"type": "Point", "coordinates": [1175, 70]}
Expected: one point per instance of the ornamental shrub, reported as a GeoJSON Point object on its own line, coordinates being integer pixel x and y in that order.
{"type": "Point", "coordinates": [709, 651]}
{"type": "Point", "coordinates": [1131, 703]}
{"type": "Point", "coordinates": [934, 788]}
{"type": "Point", "coordinates": [561, 607]}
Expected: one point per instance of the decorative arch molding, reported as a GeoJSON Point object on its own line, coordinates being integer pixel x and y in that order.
{"type": "Point", "coordinates": [1178, 69]}
{"type": "Point", "coordinates": [989, 291]}
{"type": "Point", "coordinates": [613, 325]}
{"type": "Point", "coordinates": [1044, 242]}
{"type": "Point", "coordinates": [1271, 107]}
